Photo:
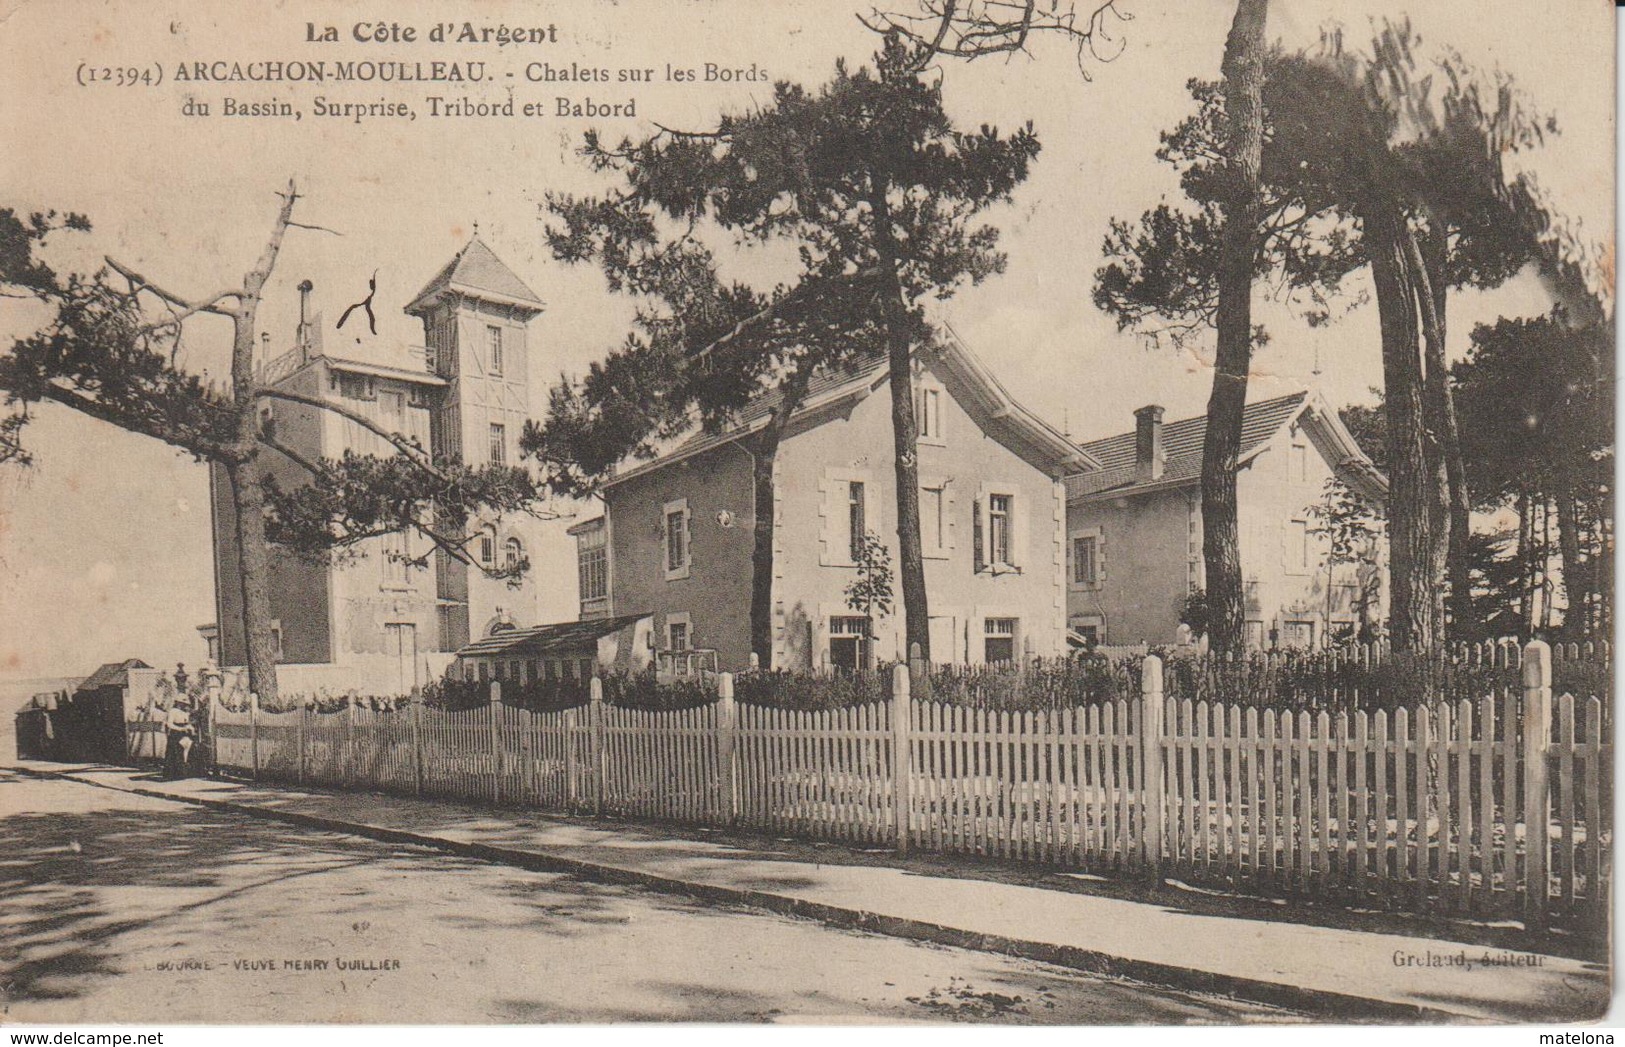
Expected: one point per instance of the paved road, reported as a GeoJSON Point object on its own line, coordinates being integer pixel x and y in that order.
{"type": "Point", "coordinates": [116, 907]}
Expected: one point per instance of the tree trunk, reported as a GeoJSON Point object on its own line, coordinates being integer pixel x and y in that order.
{"type": "Point", "coordinates": [248, 499]}
{"type": "Point", "coordinates": [1429, 257]}
{"type": "Point", "coordinates": [1526, 564]}
{"type": "Point", "coordinates": [254, 576]}
{"type": "Point", "coordinates": [1415, 471]}
{"type": "Point", "coordinates": [764, 451]}
{"type": "Point", "coordinates": [1221, 448]}
{"type": "Point", "coordinates": [905, 428]}
{"type": "Point", "coordinates": [1575, 588]}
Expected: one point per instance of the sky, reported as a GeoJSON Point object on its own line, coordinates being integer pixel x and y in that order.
{"type": "Point", "coordinates": [104, 548]}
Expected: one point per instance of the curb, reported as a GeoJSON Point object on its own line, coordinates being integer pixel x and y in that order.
{"type": "Point", "coordinates": [1321, 1003]}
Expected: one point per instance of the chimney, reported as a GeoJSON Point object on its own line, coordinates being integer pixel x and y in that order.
{"type": "Point", "coordinates": [1149, 458]}
{"type": "Point", "coordinates": [303, 338]}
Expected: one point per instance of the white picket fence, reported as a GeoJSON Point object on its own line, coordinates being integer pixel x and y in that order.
{"type": "Point", "coordinates": [1432, 810]}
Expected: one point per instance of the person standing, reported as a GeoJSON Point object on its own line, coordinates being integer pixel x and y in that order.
{"type": "Point", "coordinates": [179, 733]}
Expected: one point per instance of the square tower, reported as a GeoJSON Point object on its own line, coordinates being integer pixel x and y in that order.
{"type": "Point", "coordinates": [476, 314]}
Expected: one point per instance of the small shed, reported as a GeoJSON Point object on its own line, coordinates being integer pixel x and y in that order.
{"type": "Point", "coordinates": [91, 723]}
{"type": "Point", "coordinates": [38, 737]}
{"type": "Point", "coordinates": [564, 650]}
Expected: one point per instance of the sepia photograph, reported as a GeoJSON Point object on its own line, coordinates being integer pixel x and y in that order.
{"type": "Point", "coordinates": [859, 512]}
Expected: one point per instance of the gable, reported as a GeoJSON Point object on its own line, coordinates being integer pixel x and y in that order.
{"type": "Point", "coordinates": [1261, 422]}
{"type": "Point", "coordinates": [962, 375]}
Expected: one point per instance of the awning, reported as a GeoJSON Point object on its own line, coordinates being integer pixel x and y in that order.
{"type": "Point", "coordinates": [548, 639]}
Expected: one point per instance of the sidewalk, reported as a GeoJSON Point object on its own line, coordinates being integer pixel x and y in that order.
{"type": "Point", "coordinates": [1163, 936]}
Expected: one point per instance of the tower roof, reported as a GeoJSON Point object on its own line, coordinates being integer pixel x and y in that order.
{"type": "Point", "coordinates": [476, 272]}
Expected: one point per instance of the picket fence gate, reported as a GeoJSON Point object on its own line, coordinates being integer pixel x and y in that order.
{"type": "Point", "coordinates": [1465, 808]}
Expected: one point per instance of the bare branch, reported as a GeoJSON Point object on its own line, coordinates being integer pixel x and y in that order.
{"type": "Point", "coordinates": [189, 306]}
{"type": "Point", "coordinates": [314, 228]}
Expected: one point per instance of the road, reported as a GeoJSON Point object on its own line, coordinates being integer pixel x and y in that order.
{"type": "Point", "coordinates": [115, 907]}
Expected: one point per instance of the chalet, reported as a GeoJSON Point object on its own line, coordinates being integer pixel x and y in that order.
{"type": "Point", "coordinates": [676, 536]}
{"type": "Point", "coordinates": [1134, 528]}
{"type": "Point", "coordinates": [380, 620]}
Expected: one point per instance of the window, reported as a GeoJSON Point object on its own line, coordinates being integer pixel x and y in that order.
{"type": "Point", "coordinates": [930, 415]}
{"type": "Point", "coordinates": [396, 551]}
{"type": "Point", "coordinates": [1298, 463]}
{"type": "Point", "coordinates": [393, 403]}
{"type": "Point", "coordinates": [493, 341]}
{"type": "Point", "coordinates": [677, 632]}
{"type": "Point", "coordinates": [586, 665]}
{"type": "Point", "coordinates": [445, 347]}
{"type": "Point", "coordinates": [512, 552]}
{"type": "Point", "coordinates": [934, 521]}
{"type": "Point", "coordinates": [355, 386]}
{"type": "Point", "coordinates": [846, 636]}
{"type": "Point", "coordinates": [276, 640]}
{"type": "Point", "coordinates": [998, 528]}
{"type": "Point", "coordinates": [1085, 561]}
{"type": "Point", "coordinates": [999, 640]}
{"type": "Point", "coordinates": [677, 539]}
{"type": "Point", "coordinates": [499, 444]}
{"type": "Point", "coordinates": [1298, 634]}
{"type": "Point", "coordinates": [1298, 546]}
{"type": "Point", "coordinates": [854, 519]}
{"type": "Point", "coordinates": [488, 548]}
{"type": "Point", "coordinates": [593, 573]}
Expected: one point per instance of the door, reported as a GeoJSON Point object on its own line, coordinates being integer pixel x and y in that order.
{"type": "Point", "coordinates": [403, 647]}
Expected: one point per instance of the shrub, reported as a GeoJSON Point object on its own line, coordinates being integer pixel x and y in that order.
{"type": "Point", "coordinates": [785, 689]}
{"type": "Point", "coordinates": [451, 693]}
{"type": "Point", "coordinates": [644, 691]}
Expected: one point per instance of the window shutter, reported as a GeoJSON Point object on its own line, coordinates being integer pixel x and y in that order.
{"type": "Point", "coordinates": [978, 545]}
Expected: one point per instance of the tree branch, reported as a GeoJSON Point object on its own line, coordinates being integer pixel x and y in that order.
{"type": "Point", "coordinates": [139, 283]}
{"type": "Point", "coordinates": [411, 450]}
{"type": "Point", "coordinates": [130, 422]}
{"type": "Point", "coordinates": [772, 309]}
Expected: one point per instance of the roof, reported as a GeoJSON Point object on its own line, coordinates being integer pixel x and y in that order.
{"type": "Point", "coordinates": [113, 674]}
{"type": "Point", "coordinates": [1182, 448]}
{"type": "Point", "coordinates": [399, 374]}
{"type": "Point", "coordinates": [1000, 414]}
{"type": "Point", "coordinates": [824, 389]}
{"type": "Point", "coordinates": [594, 524]}
{"type": "Point", "coordinates": [476, 271]}
{"type": "Point", "coordinates": [547, 639]}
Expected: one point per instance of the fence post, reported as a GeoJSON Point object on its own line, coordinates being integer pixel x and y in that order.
{"type": "Point", "coordinates": [254, 733]}
{"type": "Point", "coordinates": [417, 741]}
{"type": "Point", "coordinates": [495, 710]}
{"type": "Point", "coordinates": [900, 712]}
{"type": "Point", "coordinates": [595, 725]}
{"type": "Point", "coordinates": [1537, 737]}
{"type": "Point", "coordinates": [349, 739]}
{"type": "Point", "coordinates": [727, 734]}
{"type": "Point", "coordinates": [572, 795]}
{"type": "Point", "coordinates": [211, 700]}
{"type": "Point", "coordinates": [1151, 758]}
